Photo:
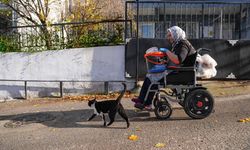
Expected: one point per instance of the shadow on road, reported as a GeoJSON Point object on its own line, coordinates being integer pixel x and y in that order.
{"type": "Point", "coordinates": [74, 119]}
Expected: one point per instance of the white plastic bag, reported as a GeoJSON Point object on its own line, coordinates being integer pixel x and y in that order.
{"type": "Point", "coordinates": [206, 66]}
{"type": "Point", "coordinates": [152, 49]}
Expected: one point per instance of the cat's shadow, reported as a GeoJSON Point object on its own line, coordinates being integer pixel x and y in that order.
{"type": "Point", "coordinates": [75, 119]}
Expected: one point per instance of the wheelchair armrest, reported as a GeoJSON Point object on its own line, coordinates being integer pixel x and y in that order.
{"type": "Point", "coordinates": [174, 68]}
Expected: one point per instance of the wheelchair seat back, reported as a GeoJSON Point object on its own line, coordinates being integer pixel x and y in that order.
{"type": "Point", "coordinates": [184, 75]}
{"type": "Point", "coordinates": [190, 60]}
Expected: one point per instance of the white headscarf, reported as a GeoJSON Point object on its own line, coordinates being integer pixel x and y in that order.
{"type": "Point", "coordinates": [177, 33]}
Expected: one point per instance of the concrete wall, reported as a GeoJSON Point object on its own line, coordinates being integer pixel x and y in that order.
{"type": "Point", "coordinates": [82, 64]}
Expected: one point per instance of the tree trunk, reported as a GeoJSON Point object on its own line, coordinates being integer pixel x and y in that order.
{"type": "Point", "coordinates": [47, 37]}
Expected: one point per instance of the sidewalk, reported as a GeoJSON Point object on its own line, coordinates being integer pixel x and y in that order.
{"type": "Point", "coordinates": [219, 90]}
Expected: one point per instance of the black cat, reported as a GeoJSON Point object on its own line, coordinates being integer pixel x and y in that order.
{"type": "Point", "coordinates": [109, 106]}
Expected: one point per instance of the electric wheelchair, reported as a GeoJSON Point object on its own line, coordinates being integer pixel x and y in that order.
{"type": "Point", "coordinates": [181, 86]}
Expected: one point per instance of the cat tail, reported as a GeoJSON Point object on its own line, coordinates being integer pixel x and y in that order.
{"type": "Point", "coordinates": [122, 93]}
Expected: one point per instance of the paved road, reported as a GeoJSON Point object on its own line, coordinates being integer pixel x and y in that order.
{"type": "Point", "coordinates": [60, 125]}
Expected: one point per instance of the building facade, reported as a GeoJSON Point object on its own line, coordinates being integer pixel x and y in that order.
{"type": "Point", "coordinates": [200, 19]}
{"type": "Point", "coordinates": [4, 19]}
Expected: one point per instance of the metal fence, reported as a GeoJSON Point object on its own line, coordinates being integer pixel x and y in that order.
{"type": "Point", "coordinates": [202, 21]}
{"type": "Point", "coordinates": [232, 57]}
{"type": "Point", "coordinates": [211, 20]}
{"type": "Point", "coordinates": [61, 90]}
{"type": "Point", "coordinates": [66, 35]}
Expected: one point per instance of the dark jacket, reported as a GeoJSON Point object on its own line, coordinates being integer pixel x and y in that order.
{"type": "Point", "coordinates": [185, 52]}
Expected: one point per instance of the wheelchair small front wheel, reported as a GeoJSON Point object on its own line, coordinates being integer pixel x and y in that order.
{"type": "Point", "coordinates": [162, 109]}
{"type": "Point", "coordinates": [198, 104]}
{"type": "Point", "coordinates": [161, 94]}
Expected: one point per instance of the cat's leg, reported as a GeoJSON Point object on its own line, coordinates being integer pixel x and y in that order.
{"type": "Point", "coordinates": [123, 114]}
{"type": "Point", "coordinates": [90, 118]}
{"type": "Point", "coordinates": [111, 117]}
{"type": "Point", "coordinates": [103, 117]}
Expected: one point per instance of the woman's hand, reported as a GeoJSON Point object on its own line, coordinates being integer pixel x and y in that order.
{"type": "Point", "coordinates": [164, 50]}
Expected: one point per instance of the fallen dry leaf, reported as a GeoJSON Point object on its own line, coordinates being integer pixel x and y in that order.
{"type": "Point", "coordinates": [133, 137]}
{"type": "Point", "coordinates": [247, 119]}
{"type": "Point", "coordinates": [244, 120]}
{"type": "Point", "coordinates": [160, 145]}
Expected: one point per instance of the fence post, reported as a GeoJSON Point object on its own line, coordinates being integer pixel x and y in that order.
{"type": "Point", "coordinates": [63, 42]}
{"type": "Point", "coordinates": [25, 89]}
{"type": "Point", "coordinates": [106, 87]}
{"type": "Point", "coordinates": [126, 19]}
{"type": "Point", "coordinates": [203, 21]}
{"type": "Point", "coordinates": [137, 41]}
{"type": "Point", "coordinates": [61, 89]}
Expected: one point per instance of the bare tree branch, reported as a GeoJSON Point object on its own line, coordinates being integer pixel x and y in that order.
{"type": "Point", "coordinates": [35, 12]}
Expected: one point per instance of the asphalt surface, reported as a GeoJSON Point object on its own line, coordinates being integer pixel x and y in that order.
{"type": "Point", "coordinates": [62, 125]}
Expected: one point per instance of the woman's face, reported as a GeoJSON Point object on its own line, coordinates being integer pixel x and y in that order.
{"type": "Point", "coordinates": [170, 38]}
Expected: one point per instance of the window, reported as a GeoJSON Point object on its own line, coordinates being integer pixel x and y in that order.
{"type": "Point", "coordinates": [147, 30]}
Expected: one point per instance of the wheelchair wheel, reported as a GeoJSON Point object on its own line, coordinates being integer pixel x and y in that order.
{"type": "Point", "coordinates": [198, 104]}
{"type": "Point", "coordinates": [162, 109]}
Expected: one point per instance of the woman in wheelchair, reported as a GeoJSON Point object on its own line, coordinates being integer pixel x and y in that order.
{"type": "Point", "coordinates": [180, 55]}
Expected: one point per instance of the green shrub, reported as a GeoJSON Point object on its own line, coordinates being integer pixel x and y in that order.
{"type": "Point", "coordinates": [93, 39]}
{"type": "Point", "coordinates": [96, 38]}
{"type": "Point", "coordinates": [7, 46]}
